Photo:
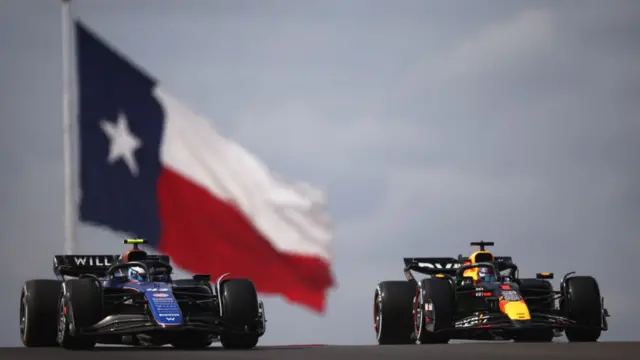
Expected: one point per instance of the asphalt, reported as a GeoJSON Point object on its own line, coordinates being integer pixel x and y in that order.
{"type": "Point", "coordinates": [475, 351]}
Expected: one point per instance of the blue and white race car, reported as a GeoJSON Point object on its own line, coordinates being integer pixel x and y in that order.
{"type": "Point", "coordinates": [132, 300]}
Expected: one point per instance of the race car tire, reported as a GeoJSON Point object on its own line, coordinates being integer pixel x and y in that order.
{"type": "Point", "coordinates": [536, 289]}
{"type": "Point", "coordinates": [191, 340]}
{"type": "Point", "coordinates": [238, 341]}
{"type": "Point", "coordinates": [80, 306]}
{"type": "Point", "coordinates": [392, 320]}
{"type": "Point", "coordinates": [240, 308]}
{"type": "Point", "coordinates": [581, 303]}
{"type": "Point", "coordinates": [433, 310]}
{"type": "Point", "coordinates": [39, 312]}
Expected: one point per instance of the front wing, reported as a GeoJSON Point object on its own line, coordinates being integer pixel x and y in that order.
{"type": "Point", "coordinates": [499, 321]}
{"type": "Point", "coordinates": [130, 324]}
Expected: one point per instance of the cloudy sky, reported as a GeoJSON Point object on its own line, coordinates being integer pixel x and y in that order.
{"type": "Point", "coordinates": [430, 126]}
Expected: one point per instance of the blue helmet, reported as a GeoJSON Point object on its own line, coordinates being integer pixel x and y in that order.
{"type": "Point", "coordinates": [487, 274]}
{"type": "Point", "coordinates": [137, 273]}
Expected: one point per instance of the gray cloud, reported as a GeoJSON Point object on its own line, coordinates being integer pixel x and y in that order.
{"type": "Point", "coordinates": [430, 126]}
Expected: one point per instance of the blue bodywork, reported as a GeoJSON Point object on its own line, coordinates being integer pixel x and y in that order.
{"type": "Point", "coordinates": [156, 311]}
{"type": "Point", "coordinates": [163, 305]}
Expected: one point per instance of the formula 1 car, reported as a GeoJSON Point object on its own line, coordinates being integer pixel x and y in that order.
{"type": "Point", "coordinates": [94, 300]}
{"type": "Point", "coordinates": [458, 300]}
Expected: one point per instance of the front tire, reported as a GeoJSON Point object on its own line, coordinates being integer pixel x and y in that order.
{"type": "Point", "coordinates": [240, 309]}
{"type": "Point", "coordinates": [39, 312]}
{"type": "Point", "coordinates": [393, 323]}
{"type": "Point", "coordinates": [79, 307]}
{"type": "Point", "coordinates": [433, 311]}
{"type": "Point", "coordinates": [582, 303]}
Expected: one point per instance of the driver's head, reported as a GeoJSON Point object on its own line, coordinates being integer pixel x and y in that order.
{"type": "Point", "coordinates": [487, 274]}
{"type": "Point", "coordinates": [137, 273]}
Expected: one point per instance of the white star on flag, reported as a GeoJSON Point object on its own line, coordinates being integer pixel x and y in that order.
{"type": "Point", "coordinates": [122, 142]}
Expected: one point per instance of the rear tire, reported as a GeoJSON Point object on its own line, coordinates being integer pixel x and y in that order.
{"type": "Point", "coordinates": [39, 312]}
{"type": "Point", "coordinates": [582, 304]}
{"type": "Point", "coordinates": [240, 308]}
{"type": "Point", "coordinates": [393, 323]}
{"type": "Point", "coordinates": [79, 307]}
{"type": "Point", "coordinates": [433, 310]}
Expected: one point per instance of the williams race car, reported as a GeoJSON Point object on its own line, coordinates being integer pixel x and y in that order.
{"type": "Point", "coordinates": [482, 298]}
{"type": "Point", "coordinates": [132, 300]}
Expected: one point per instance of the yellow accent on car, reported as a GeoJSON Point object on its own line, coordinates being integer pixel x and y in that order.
{"type": "Point", "coordinates": [516, 310]}
{"type": "Point", "coordinates": [134, 241]}
{"type": "Point", "coordinates": [481, 256]}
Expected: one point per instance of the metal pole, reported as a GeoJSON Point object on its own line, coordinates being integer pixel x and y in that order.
{"type": "Point", "coordinates": [67, 128]}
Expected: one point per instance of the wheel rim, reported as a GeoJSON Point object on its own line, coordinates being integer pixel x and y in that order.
{"type": "Point", "coordinates": [377, 316]}
{"type": "Point", "coordinates": [417, 315]}
{"type": "Point", "coordinates": [62, 323]}
{"type": "Point", "coordinates": [24, 313]}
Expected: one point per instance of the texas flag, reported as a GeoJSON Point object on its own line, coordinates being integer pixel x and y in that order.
{"type": "Point", "coordinates": [152, 168]}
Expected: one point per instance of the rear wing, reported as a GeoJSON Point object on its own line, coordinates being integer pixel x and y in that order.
{"type": "Point", "coordinates": [448, 266]}
{"type": "Point", "coordinates": [97, 265]}
{"type": "Point", "coordinates": [432, 265]}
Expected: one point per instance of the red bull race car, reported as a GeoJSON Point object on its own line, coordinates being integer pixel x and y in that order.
{"type": "Point", "coordinates": [132, 300]}
{"type": "Point", "coordinates": [482, 297]}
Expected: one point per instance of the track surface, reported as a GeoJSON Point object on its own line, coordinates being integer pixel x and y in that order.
{"type": "Point", "coordinates": [476, 351]}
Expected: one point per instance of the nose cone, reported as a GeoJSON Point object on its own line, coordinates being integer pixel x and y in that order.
{"type": "Point", "coordinates": [515, 310]}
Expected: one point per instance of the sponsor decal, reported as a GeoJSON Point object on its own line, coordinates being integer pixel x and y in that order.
{"type": "Point", "coordinates": [160, 295]}
{"type": "Point", "coordinates": [169, 315]}
{"type": "Point", "coordinates": [93, 260]}
{"type": "Point", "coordinates": [158, 289]}
{"type": "Point", "coordinates": [163, 301]}
{"type": "Point", "coordinates": [473, 321]}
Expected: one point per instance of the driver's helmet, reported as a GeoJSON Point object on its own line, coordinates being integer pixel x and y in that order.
{"type": "Point", "coordinates": [137, 273]}
{"type": "Point", "coordinates": [487, 274]}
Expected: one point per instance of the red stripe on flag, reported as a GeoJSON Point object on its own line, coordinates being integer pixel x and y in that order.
{"type": "Point", "coordinates": [206, 235]}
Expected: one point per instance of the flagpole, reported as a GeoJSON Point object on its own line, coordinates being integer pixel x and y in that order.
{"type": "Point", "coordinates": [67, 128]}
